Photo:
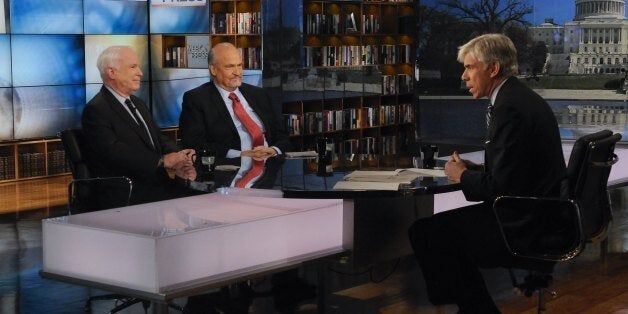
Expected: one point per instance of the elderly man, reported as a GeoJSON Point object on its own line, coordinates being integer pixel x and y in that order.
{"type": "Point", "coordinates": [232, 118]}
{"type": "Point", "coordinates": [523, 157]}
{"type": "Point", "coordinates": [123, 138]}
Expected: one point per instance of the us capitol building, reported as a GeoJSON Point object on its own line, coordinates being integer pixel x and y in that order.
{"type": "Point", "coordinates": [595, 42]}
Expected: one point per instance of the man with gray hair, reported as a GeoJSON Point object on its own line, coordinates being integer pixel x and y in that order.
{"type": "Point", "coordinates": [523, 157]}
{"type": "Point", "coordinates": [124, 140]}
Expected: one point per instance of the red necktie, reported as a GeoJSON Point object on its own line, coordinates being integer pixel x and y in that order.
{"type": "Point", "coordinates": [256, 135]}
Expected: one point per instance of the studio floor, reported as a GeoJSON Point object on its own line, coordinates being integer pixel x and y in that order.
{"type": "Point", "coordinates": [584, 285]}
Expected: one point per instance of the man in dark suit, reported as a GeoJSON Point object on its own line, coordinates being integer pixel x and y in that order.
{"type": "Point", "coordinates": [123, 138]}
{"type": "Point", "coordinates": [523, 157]}
{"type": "Point", "coordinates": [208, 119]}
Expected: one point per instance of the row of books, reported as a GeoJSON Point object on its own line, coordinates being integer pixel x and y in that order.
{"type": "Point", "coordinates": [57, 163]}
{"type": "Point", "coordinates": [34, 165]}
{"type": "Point", "coordinates": [357, 55]}
{"type": "Point", "coordinates": [251, 57]}
{"type": "Point", "coordinates": [347, 119]}
{"type": "Point", "coordinates": [176, 57]}
{"type": "Point", "coordinates": [31, 164]}
{"type": "Point", "coordinates": [7, 167]}
{"type": "Point", "coordinates": [236, 23]}
{"type": "Point", "coordinates": [322, 24]}
{"type": "Point", "coordinates": [397, 84]}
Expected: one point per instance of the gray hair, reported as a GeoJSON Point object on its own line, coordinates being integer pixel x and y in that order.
{"type": "Point", "coordinates": [492, 47]}
{"type": "Point", "coordinates": [110, 57]}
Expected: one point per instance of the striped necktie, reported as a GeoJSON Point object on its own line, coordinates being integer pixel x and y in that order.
{"type": "Point", "coordinates": [140, 123]}
{"type": "Point", "coordinates": [256, 135]}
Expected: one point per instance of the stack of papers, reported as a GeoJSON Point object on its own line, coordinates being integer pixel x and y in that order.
{"type": "Point", "coordinates": [384, 180]}
{"type": "Point", "coordinates": [301, 155]}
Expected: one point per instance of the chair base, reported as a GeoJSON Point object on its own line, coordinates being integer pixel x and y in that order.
{"type": "Point", "coordinates": [533, 282]}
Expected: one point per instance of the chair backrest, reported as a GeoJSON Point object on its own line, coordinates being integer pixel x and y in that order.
{"type": "Point", "coordinates": [589, 167]}
{"type": "Point", "coordinates": [73, 142]}
{"type": "Point", "coordinates": [85, 192]}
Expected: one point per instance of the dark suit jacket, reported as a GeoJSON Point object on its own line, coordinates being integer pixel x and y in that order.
{"type": "Point", "coordinates": [119, 147]}
{"type": "Point", "coordinates": [205, 121]}
{"type": "Point", "coordinates": [523, 150]}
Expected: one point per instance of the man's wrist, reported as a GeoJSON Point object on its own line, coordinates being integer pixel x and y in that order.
{"type": "Point", "coordinates": [160, 163]}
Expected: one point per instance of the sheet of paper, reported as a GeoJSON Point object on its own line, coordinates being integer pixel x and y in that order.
{"type": "Point", "coordinates": [304, 155]}
{"type": "Point", "coordinates": [395, 176]}
{"type": "Point", "coordinates": [357, 185]}
{"type": "Point", "coordinates": [427, 172]}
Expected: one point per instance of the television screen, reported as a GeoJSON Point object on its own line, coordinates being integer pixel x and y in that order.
{"type": "Point", "coordinates": [3, 17]}
{"type": "Point", "coordinates": [92, 89]}
{"type": "Point", "coordinates": [5, 61]}
{"type": "Point", "coordinates": [179, 19]}
{"type": "Point", "coordinates": [115, 17]}
{"type": "Point", "coordinates": [95, 44]}
{"type": "Point", "coordinates": [43, 111]}
{"type": "Point", "coordinates": [6, 114]}
{"type": "Point", "coordinates": [167, 99]}
{"type": "Point", "coordinates": [47, 17]}
{"type": "Point", "coordinates": [47, 59]}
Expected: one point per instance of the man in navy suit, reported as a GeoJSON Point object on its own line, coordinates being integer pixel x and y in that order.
{"type": "Point", "coordinates": [124, 140]}
{"type": "Point", "coordinates": [208, 120]}
{"type": "Point", "coordinates": [523, 156]}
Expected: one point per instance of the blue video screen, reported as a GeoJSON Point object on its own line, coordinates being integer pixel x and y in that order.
{"type": "Point", "coordinates": [6, 114]}
{"type": "Point", "coordinates": [47, 17]}
{"type": "Point", "coordinates": [116, 17]}
{"type": "Point", "coordinates": [5, 61]}
{"type": "Point", "coordinates": [43, 111]}
{"type": "Point", "coordinates": [167, 99]}
{"type": "Point", "coordinates": [92, 89]}
{"type": "Point", "coordinates": [48, 59]}
{"type": "Point", "coordinates": [179, 19]}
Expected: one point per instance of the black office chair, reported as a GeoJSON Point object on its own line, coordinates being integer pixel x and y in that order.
{"type": "Point", "coordinates": [85, 192]}
{"type": "Point", "coordinates": [84, 195]}
{"type": "Point", "coordinates": [557, 229]}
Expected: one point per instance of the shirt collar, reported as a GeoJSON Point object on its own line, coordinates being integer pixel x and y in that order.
{"type": "Point", "coordinates": [115, 94]}
{"type": "Point", "coordinates": [494, 94]}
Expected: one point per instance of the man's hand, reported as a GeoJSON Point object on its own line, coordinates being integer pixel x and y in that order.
{"type": "Point", "coordinates": [259, 153]}
{"type": "Point", "coordinates": [171, 160]}
{"type": "Point", "coordinates": [455, 167]}
{"type": "Point", "coordinates": [185, 170]}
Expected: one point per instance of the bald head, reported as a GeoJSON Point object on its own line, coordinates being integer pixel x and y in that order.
{"type": "Point", "coordinates": [225, 66]}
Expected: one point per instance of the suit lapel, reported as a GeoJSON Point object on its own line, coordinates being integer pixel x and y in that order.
{"type": "Point", "coordinates": [124, 115]}
{"type": "Point", "coordinates": [222, 110]}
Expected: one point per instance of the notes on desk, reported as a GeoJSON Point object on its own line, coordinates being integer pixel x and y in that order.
{"type": "Point", "coordinates": [301, 155]}
{"type": "Point", "coordinates": [427, 172]}
{"type": "Point", "coordinates": [384, 180]}
{"type": "Point", "coordinates": [357, 185]}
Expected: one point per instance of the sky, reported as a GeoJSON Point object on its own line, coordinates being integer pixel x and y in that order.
{"type": "Point", "coordinates": [561, 10]}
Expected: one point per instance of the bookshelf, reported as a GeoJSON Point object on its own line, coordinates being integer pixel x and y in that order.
{"type": "Point", "coordinates": [33, 159]}
{"type": "Point", "coordinates": [235, 21]}
{"type": "Point", "coordinates": [363, 55]}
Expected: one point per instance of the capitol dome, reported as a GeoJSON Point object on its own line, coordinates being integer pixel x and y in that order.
{"type": "Point", "coordinates": [599, 9]}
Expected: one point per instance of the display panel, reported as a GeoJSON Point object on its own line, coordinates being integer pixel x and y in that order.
{"type": "Point", "coordinates": [167, 99]}
{"type": "Point", "coordinates": [116, 17]}
{"type": "Point", "coordinates": [5, 61]}
{"type": "Point", "coordinates": [179, 19]}
{"type": "Point", "coordinates": [47, 17]}
{"type": "Point", "coordinates": [3, 16]}
{"type": "Point", "coordinates": [47, 59]}
{"type": "Point", "coordinates": [92, 89]}
{"type": "Point", "coordinates": [6, 114]}
{"type": "Point", "coordinates": [95, 44]}
{"type": "Point", "coordinates": [45, 110]}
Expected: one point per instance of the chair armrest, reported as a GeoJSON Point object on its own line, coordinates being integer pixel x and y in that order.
{"type": "Point", "coordinates": [540, 228]}
{"type": "Point", "coordinates": [83, 193]}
